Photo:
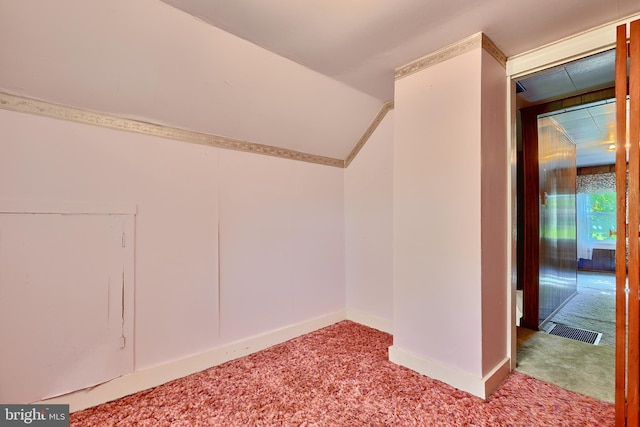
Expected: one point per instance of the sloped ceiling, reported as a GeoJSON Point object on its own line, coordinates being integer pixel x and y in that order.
{"type": "Point", "coordinates": [361, 42]}
{"type": "Point", "coordinates": [308, 76]}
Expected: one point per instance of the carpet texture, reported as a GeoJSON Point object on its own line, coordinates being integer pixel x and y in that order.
{"type": "Point", "coordinates": [340, 376]}
{"type": "Point", "coordinates": [593, 311]}
{"type": "Point", "coordinates": [584, 368]}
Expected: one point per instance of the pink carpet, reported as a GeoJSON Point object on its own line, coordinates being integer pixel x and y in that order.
{"type": "Point", "coordinates": [340, 376]}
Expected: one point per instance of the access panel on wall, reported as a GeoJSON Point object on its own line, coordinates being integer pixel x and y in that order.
{"type": "Point", "coordinates": [66, 302]}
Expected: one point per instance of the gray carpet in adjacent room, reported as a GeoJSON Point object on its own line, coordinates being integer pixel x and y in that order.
{"type": "Point", "coordinates": [593, 308]}
{"type": "Point", "coordinates": [583, 368]}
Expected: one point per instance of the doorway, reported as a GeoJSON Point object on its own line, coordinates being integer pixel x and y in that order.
{"type": "Point", "coordinates": [580, 116]}
{"type": "Point", "coordinates": [566, 99]}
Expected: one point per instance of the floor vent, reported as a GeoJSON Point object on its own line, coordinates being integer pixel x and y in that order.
{"type": "Point", "coordinates": [583, 335]}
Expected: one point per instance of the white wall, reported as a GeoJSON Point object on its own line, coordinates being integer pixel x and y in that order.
{"type": "Point", "coordinates": [280, 223]}
{"type": "Point", "coordinates": [437, 213]}
{"type": "Point", "coordinates": [449, 222]}
{"type": "Point", "coordinates": [369, 230]}
{"type": "Point", "coordinates": [281, 242]}
{"type": "Point", "coordinates": [494, 205]}
{"type": "Point", "coordinates": [45, 160]}
{"type": "Point", "coordinates": [85, 253]}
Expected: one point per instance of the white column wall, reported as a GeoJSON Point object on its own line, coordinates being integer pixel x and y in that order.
{"type": "Point", "coordinates": [369, 230]}
{"type": "Point", "coordinates": [449, 224]}
{"type": "Point", "coordinates": [495, 234]}
{"type": "Point", "coordinates": [436, 195]}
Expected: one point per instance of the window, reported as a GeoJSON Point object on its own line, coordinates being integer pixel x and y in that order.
{"type": "Point", "coordinates": [600, 215]}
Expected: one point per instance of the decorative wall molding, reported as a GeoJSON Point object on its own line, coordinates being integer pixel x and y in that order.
{"type": "Point", "coordinates": [388, 106]}
{"type": "Point", "coordinates": [489, 46]}
{"type": "Point", "coordinates": [55, 111]}
{"type": "Point", "coordinates": [478, 40]}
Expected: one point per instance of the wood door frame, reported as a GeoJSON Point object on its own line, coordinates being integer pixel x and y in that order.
{"type": "Point", "coordinates": [621, 221]}
{"type": "Point", "coordinates": [530, 199]}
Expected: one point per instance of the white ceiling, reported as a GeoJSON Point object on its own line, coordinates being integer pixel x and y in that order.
{"type": "Point", "coordinates": [361, 42]}
{"type": "Point", "coordinates": [306, 75]}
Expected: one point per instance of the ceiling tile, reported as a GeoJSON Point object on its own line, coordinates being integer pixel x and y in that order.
{"type": "Point", "coordinates": [547, 85]}
{"type": "Point", "coordinates": [593, 72]}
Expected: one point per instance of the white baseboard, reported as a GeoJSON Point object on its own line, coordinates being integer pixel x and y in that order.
{"type": "Point", "coordinates": [481, 387]}
{"type": "Point", "coordinates": [370, 320]}
{"type": "Point", "coordinates": [157, 375]}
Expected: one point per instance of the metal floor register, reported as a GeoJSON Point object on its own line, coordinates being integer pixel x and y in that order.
{"type": "Point", "coordinates": [590, 337]}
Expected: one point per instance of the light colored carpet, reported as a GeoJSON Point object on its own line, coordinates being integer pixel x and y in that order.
{"type": "Point", "coordinates": [340, 376]}
{"type": "Point", "coordinates": [584, 368]}
{"type": "Point", "coordinates": [593, 308]}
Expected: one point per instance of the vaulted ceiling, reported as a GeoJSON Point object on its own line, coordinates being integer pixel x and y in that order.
{"type": "Point", "coordinates": [308, 76]}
